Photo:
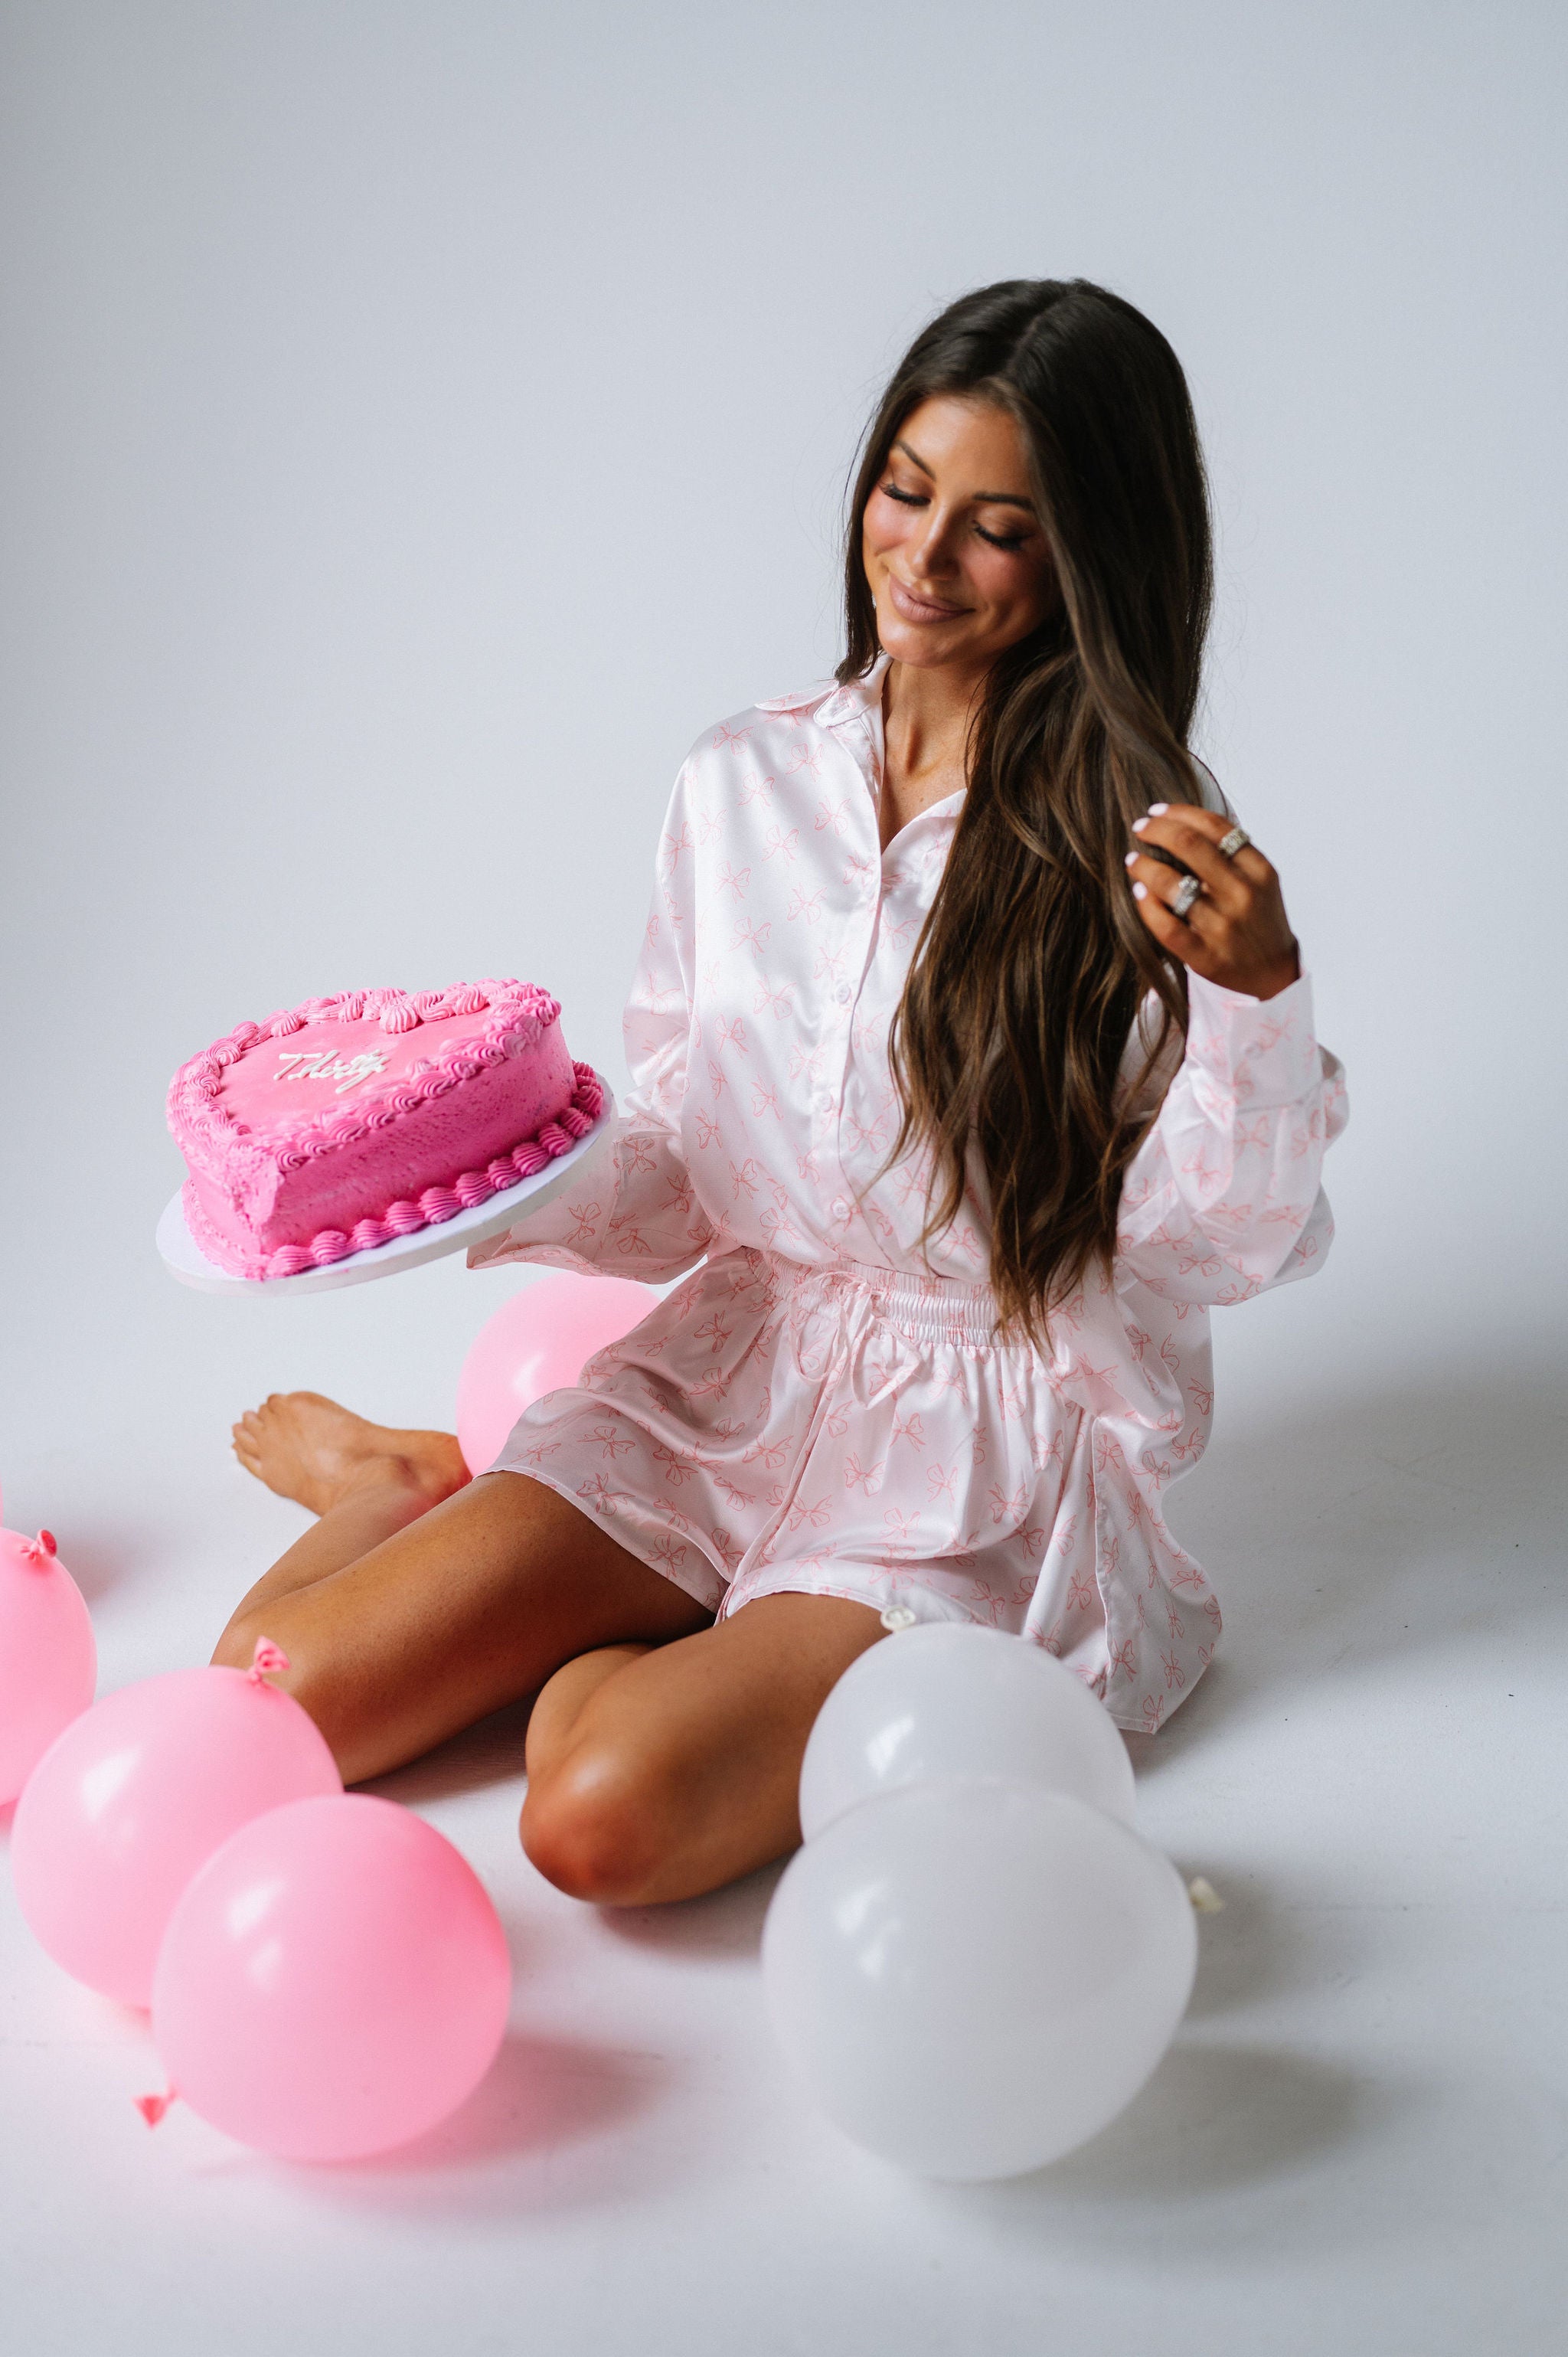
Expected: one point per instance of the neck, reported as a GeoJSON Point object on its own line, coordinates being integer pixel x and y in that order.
{"type": "Point", "coordinates": [925, 721]}
{"type": "Point", "coordinates": [926, 716]}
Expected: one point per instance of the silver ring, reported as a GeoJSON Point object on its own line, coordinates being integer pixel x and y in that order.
{"type": "Point", "coordinates": [1237, 840]}
{"type": "Point", "coordinates": [1182, 899]}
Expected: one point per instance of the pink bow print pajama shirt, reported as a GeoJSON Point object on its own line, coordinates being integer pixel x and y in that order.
{"type": "Point", "coordinates": [818, 1408]}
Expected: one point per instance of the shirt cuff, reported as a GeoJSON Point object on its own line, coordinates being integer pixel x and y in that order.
{"type": "Point", "coordinates": [1261, 1051]}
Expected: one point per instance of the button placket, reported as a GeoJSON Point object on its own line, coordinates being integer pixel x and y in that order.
{"type": "Point", "coordinates": [859, 743]}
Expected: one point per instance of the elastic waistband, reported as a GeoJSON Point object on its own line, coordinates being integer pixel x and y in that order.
{"type": "Point", "coordinates": [934, 1309]}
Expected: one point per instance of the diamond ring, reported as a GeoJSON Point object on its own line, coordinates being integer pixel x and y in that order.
{"type": "Point", "coordinates": [1185, 893]}
{"type": "Point", "coordinates": [1234, 842]}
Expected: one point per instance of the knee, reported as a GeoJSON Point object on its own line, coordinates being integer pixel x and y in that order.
{"type": "Point", "coordinates": [592, 1826]}
{"type": "Point", "coordinates": [303, 1677]}
{"type": "Point", "coordinates": [236, 1647]}
{"type": "Point", "coordinates": [274, 1625]}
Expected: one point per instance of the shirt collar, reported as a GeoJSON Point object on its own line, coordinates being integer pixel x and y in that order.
{"type": "Point", "coordinates": [862, 701]}
{"type": "Point", "coordinates": [857, 700]}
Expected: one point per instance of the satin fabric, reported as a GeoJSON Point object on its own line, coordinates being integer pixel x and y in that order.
{"type": "Point", "coordinates": [822, 1405]}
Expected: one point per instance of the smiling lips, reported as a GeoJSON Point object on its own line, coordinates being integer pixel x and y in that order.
{"type": "Point", "coordinates": [915, 609]}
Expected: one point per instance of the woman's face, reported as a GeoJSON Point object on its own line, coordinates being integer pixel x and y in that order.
{"type": "Point", "coordinates": [953, 547]}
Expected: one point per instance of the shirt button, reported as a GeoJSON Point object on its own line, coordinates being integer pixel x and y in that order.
{"type": "Point", "coordinates": [839, 1209]}
{"type": "Point", "coordinates": [843, 994]}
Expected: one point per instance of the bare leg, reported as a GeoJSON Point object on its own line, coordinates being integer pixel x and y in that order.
{"type": "Point", "coordinates": [656, 1774]}
{"type": "Point", "coordinates": [404, 1618]}
{"type": "Point", "coordinates": [664, 1755]}
{"type": "Point", "coordinates": [364, 1480]}
{"type": "Point", "coordinates": [560, 1703]}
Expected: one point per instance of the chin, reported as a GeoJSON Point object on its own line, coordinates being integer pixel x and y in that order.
{"type": "Point", "coordinates": [916, 644]}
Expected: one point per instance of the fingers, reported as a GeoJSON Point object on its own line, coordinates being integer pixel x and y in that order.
{"type": "Point", "coordinates": [1183, 900]}
{"type": "Point", "coordinates": [1234, 931]}
{"type": "Point", "coordinates": [1172, 932]}
{"type": "Point", "coordinates": [1194, 836]}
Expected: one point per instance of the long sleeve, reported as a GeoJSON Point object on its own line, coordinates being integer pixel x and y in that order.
{"type": "Point", "coordinates": [1222, 1198]}
{"type": "Point", "coordinates": [636, 1212]}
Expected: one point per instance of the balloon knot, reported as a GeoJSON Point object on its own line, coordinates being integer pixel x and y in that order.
{"type": "Point", "coordinates": [1206, 1899]}
{"type": "Point", "coordinates": [266, 1658]}
{"type": "Point", "coordinates": [40, 1552]}
{"type": "Point", "coordinates": [153, 2107]}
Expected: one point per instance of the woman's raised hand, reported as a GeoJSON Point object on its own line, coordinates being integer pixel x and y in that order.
{"type": "Point", "coordinates": [1233, 929]}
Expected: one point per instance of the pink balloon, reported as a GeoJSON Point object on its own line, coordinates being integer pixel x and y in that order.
{"type": "Point", "coordinates": [48, 1661]}
{"type": "Point", "coordinates": [136, 1795]}
{"type": "Point", "coordinates": [332, 1983]}
{"type": "Point", "coordinates": [538, 1341]}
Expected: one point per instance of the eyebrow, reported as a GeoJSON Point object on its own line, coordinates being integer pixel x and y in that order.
{"type": "Point", "coordinates": [987, 499]}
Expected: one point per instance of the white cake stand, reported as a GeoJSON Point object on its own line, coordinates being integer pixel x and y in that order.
{"type": "Point", "coordinates": [184, 1259]}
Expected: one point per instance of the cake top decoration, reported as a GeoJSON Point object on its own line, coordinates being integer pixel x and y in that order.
{"type": "Point", "coordinates": [322, 1074]}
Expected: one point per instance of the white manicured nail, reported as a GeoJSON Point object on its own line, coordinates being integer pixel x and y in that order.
{"type": "Point", "coordinates": [1140, 891]}
{"type": "Point", "coordinates": [1138, 825]}
{"type": "Point", "coordinates": [1131, 859]}
{"type": "Point", "coordinates": [1158, 809]}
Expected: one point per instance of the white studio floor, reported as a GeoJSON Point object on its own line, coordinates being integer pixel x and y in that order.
{"type": "Point", "coordinates": [1358, 2141]}
{"type": "Point", "coordinates": [422, 420]}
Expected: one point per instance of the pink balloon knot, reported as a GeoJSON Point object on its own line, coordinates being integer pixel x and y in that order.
{"type": "Point", "coordinates": [266, 1658]}
{"type": "Point", "coordinates": [40, 1552]}
{"type": "Point", "coordinates": [153, 2107]}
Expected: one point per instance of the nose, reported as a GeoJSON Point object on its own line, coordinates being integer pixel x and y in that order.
{"type": "Point", "coordinates": [932, 552]}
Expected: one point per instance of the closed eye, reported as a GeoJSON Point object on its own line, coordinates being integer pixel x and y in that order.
{"type": "Point", "coordinates": [1008, 540]}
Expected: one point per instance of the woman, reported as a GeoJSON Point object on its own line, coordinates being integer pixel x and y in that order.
{"type": "Point", "coordinates": [971, 1060]}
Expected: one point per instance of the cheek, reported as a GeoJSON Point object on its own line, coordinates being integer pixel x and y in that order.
{"type": "Point", "coordinates": [1007, 580]}
{"type": "Point", "coordinates": [888, 525]}
{"type": "Point", "coordinates": [1015, 583]}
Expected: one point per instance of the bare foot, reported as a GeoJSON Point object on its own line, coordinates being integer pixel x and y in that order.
{"type": "Point", "coordinates": [309, 1449]}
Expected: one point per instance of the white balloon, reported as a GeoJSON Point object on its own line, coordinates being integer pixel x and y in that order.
{"type": "Point", "coordinates": [950, 1700]}
{"type": "Point", "coordinates": [974, 1976]}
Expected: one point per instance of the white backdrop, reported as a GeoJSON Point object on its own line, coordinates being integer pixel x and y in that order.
{"type": "Point", "coordinates": [419, 421]}
{"type": "Point", "coordinates": [425, 419]}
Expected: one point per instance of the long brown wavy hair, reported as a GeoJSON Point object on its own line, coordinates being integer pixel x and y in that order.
{"type": "Point", "coordinates": [1033, 964]}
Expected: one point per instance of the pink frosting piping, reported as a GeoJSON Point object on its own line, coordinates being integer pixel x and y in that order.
{"type": "Point", "coordinates": [514, 1008]}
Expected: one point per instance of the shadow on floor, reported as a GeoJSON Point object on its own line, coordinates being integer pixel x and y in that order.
{"type": "Point", "coordinates": [1247, 1953]}
{"type": "Point", "coordinates": [486, 1753]}
{"type": "Point", "coordinates": [1357, 1529]}
{"type": "Point", "coordinates": [726, 1922]}
{"type": "Point", "coordinates": [547, 2127]}
{"type": "Point", "coordinates": [1213, 2117]}
{"type": "Point", "coordinates": [542, 2093]}
{"type": "Point", "coordinates": [1230, 2150]}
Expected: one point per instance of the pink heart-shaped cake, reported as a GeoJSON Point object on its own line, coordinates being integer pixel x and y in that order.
{"type": "Point", "coordinates": [348, 1120]}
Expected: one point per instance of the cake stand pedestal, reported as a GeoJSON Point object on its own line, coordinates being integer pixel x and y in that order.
{"type": "Point", "coordinates": [184, 1259]}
